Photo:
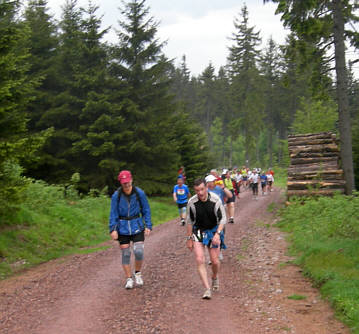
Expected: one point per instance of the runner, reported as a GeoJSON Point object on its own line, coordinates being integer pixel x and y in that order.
{"type": "Point", "coordinates": [223, 193]}
{"type": "Point", "coordinates": [254, 179]}
{"type": "Point", "coordinates": [126, 225]}
{"type": "Point", "coordinates": [238, 178]}
{"type": "Point", "coordinates": [263, 178]}
{"type": "Point", "coordinates": [205, 221]}
{"type": "Point", "coordinates": [228, 183]}
{"type": "Point", "coordinates": [270, 180]}
{"type": "Point", "coordinates": [244, 177]}
{"type": "Point", "coordinates": [181, 172]}
{"type": "Point", "coordinates": [181, 195]}
{"type": "Point", "coordinates": [218, 181]}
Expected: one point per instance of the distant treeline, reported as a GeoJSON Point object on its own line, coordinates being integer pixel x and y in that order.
{"type": "Point", "coordinates": [72, 103]}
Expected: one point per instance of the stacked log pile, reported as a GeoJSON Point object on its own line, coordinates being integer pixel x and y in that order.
{"type": "Point", "coordinates": [314, 168]}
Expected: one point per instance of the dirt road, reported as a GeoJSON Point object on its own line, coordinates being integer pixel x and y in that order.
{"type": "Point", "coordinates": [84, 294]}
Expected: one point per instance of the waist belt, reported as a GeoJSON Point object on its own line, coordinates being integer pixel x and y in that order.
{"type": "Point", "coordinates": [129, 218]}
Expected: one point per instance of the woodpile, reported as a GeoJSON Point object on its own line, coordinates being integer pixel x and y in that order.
{"type": "Point", "coordinates": [314, 168]}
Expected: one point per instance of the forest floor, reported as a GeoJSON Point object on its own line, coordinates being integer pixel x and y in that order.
{"type": "Point", "coordinates": [85, 293]}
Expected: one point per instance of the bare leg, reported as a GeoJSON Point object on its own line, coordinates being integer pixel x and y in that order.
{"type": "Point", "coordinates": [213, 254]}
{"type": "Point", "coordinates": [198, 248]}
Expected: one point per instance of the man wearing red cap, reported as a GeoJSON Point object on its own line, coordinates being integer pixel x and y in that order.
{"type": "Point", "coordinates": [130, 221]}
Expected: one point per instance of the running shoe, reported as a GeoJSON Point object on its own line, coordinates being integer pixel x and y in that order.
{"type": "Point", "coordinates": [207, 294]}
{"type": "Point", "coordinates": [138, 279]}
{"type": "Point", "coordinates": [231, 221]}
{"type": "Point", "coordinates": [129, 283]}
{"type": "Point", "coordinates": [215, 284]}
{"type": "Point", "coordinates": [182, 222]}
{"type": "Point", "coordinates": [220, 256]}
{"type": "Point", "coordinates": [209, 262]}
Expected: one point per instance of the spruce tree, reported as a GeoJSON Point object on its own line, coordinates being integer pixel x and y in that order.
{"type": "Point", "coordinates": [150, 148]}
{"type": "Point", "coordinates": [16, 89]}
{"type": "Point", "coordinates": [325, 23]}
{"type": "Point", "coordinates": [246, 83]}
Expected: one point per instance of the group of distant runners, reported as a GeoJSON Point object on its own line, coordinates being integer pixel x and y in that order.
{"type": "Point", "coordinates": [205, 215]}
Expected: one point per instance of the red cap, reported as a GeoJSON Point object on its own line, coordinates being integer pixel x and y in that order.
{"type": "Point", "coordinates": [125, 176]}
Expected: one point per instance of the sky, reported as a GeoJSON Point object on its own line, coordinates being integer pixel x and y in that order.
{"type": "Point", "coordinates": [198, 29]}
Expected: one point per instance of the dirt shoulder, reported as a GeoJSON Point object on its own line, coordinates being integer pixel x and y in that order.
{"type": "Point", "coordinates": [85, 294]}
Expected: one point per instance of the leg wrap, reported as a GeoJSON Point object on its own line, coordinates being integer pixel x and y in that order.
{"type": "Point", "coordinates": [126, 255]}
{"type": "Point", "coordinates": [138, 250]}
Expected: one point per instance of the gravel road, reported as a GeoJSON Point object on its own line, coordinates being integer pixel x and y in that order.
{"type": "Point", "coordinates": [84, 294]}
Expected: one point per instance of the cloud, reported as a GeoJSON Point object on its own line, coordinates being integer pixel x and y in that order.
{"type": "Point", "coordinates": [205, 39]}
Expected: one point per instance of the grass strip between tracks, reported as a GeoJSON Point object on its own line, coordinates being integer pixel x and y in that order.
{"type": "Point", "coordinates": [49, 226]}
{"type": "Point", "coordinates": [324, 237]}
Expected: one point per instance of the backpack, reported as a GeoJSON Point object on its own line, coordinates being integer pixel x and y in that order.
{"type": "Point", "coordinates": [120, 192]}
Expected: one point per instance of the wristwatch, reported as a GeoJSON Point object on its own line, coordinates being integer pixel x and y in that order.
{"type": "Point", "coordinates": [218, 232]}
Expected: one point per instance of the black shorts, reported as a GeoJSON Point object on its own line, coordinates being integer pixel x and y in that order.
{"type": "Point", "coordinates": [126, 239]}
{"type": "Point", "coordinates": [233, 198]}
{"type": "Point", "coordinates": [181, 205]}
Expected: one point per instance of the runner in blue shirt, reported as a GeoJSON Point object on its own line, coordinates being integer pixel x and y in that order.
{"type": "Point", "coordinates": [263, 178]}
{"type": "Point", "coordinates": [181, 194]}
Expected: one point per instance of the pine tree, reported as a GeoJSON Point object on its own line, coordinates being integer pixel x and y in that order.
{"type": "Point", "coordinates": [324, 24]}
{"type": "Point", "coordinates": [16, 89]}
{"type": "Point", "coordinates": [206, 106]}
{"type": "Point", "coordinates": [246, 83]}
{"type": "Point", "coordinates": [151, 151]}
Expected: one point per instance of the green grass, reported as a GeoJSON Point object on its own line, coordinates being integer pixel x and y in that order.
{"type": "Point", "coordinates": [280, 177]}
{"type": "Point", "coordinates": [324, 236]}
{"type": "Point", "coordinates": [48, 226]}
{"type": "Point", "coordinates": [297, 297]}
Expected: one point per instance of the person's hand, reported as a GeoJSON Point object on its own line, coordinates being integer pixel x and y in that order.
{"type": "Point", "coordinates": [114, 235]}
{"type": "Point", "coordinates": [216, 240]}
{"type": "Point", "coordinates": [189, 244]}
{"type": "Point", "coordinates": [147, 231]}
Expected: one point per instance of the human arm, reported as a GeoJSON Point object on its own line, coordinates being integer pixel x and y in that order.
{"type": "Point", "coordinates": [145, 210]}
{"type": "Point", "coordinates": [189, 222]}
{"type": "Point", "coordinates": [174, 194]}
{"type": "Point", "coordinates": [113, 219]}
{"type": "Point", "coordinates": [227, 193]}
{"type": "Point", "coordinates": [221, 219]}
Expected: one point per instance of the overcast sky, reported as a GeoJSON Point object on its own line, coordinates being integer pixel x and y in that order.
{"type": "Point", "coordinates": [198, 29]}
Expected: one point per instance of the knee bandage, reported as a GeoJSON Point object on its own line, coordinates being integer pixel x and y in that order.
{"type": "Point", "coordinates": [138, 248]}
{"type": "Point", "coordinates": [126, 255]}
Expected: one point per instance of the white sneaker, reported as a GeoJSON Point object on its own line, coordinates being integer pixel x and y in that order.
{"type": "Point", "coordinates": [129, 283]}
{"type": "Point", "coordinates": [220, 257]}
{"type": "Point", "coordinates": [138, 279]}
{"type": "Point", "coordinates": [207, 294]}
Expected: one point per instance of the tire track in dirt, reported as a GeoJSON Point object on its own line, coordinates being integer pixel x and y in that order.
{"type": "Point", "coordinates": [85, 294]}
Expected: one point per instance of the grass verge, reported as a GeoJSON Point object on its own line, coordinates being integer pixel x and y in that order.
{"type": "Point", "coordinates": [324, 236]}
{"type": "Point", "coordinates": [49, 226]}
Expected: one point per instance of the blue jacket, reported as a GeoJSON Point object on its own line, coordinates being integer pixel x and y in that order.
{"type": "Point", "coordinates": [129, 208]}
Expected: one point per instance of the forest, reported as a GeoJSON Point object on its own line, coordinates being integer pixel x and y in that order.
{"type": "Point", "coordinates": [75, 109]}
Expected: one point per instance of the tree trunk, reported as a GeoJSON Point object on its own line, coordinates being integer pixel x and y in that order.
{"type": "Point", "coordinates": [270, 146]}
{"type": "Point", "coordinates": [230, 152]}
{"type": "Point", "coordinates": [342, 96]}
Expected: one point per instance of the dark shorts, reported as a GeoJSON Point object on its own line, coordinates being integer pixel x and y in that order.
{"type": "Point", "coordinates": [181, 205]}
{"type": "Point", "coordinates": [270, 182]}
{"type": "Point", "coordinates": [126, 239]}
{"type": "Point", "coordinates": [233, 199]}
{"type": "Point", "coordinates": [245, 178]}
{"type": "Point", "coordinates": [263, 184]}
